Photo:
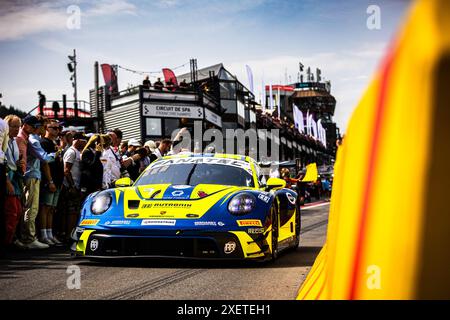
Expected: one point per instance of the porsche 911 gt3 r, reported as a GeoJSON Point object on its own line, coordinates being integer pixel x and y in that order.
{"type": "Point", "coordinates": [191, 206]}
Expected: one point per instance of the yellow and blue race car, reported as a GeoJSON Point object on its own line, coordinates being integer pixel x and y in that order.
{"type": "Point", "coordinates": [197, 206]}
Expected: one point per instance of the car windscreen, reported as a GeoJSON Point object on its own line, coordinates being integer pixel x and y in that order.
{"type": "Point", "coordinates": [194, 174]}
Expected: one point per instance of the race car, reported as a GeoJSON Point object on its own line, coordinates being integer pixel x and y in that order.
{"type": "Point", "coordinates": [196, 206]}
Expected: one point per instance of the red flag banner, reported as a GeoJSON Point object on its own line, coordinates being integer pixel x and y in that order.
{"type": "Point", "coordinates": [169, 75]}
{"type": "Point", "coordinates": [110, 78]}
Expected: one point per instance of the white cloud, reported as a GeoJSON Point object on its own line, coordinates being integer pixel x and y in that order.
{"type": "Point", "coordinates": [30, 20]}
{"type": "Point", "coordinates": [18, 20]}
{"type": "Point", "coordinates": [111, 7]}
{"type": "Point", "coordinates": [167, 3]}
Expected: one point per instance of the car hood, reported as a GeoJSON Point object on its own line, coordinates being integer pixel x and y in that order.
{"type": "Point", "coordinates": [172, 201]}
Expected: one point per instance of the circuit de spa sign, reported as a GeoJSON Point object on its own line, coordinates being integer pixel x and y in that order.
{"type": "Point", "coordinates": [171, 111]}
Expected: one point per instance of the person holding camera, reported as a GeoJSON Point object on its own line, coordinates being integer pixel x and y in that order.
{"type": "Point", "coordinates": [135, 153]}
{"type": "Point", "coordinates": [91, 164]}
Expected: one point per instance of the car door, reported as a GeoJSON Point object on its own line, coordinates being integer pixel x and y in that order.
{"type": "Point", "coordinates": [286, 205]}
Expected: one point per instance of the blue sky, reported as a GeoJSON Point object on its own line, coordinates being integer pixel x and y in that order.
{"type": "Point", "coordinates": [271, 36]}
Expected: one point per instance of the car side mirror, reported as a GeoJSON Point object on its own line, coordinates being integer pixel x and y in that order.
{"type": "Point", "coordinates": [123, 182]}
{"type": "Point", "coordinates": [275, 183]}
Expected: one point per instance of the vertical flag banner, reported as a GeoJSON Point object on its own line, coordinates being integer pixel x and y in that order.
{"type": "Point", "coordinates": [314, 129]}
{"type": "Point", "coordinates": [310, 124]}
{"type": "Point", "coordinates": [250, 77]}
{"type": "Point", "coordinates": [308, 132]}
{"type": "Point", "coordinates": [263, 96]}
{"type": "Point", "coordinates": [295, 113]}
{"type": "Point", "coordinates": [169, 75]}
{"type": "Point", "coordinates": [319, 130]}
{"type": "Point", "coordinates": [389, 220]}
{"type": "Point", "coordinates": [279, 103]}
{"type": "Point", "coordinates": [110, 77]}
{"type": "Point", "coordinates": [271, 97]}
{"type": "Point", "coordinates": [301, 128]}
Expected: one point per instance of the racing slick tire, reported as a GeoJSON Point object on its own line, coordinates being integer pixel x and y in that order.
{"type": "Point", "coordinates": [297, 226]}
{"type": "Point", "coordinates": [274, 238]}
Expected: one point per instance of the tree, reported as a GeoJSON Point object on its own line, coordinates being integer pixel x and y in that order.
{"type": "Point", "coordinates": [4, 111]}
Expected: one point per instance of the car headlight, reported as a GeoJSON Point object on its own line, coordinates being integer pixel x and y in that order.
{"type": "Point", "coordinates": [242, 203]}
{"type": "Point", "coordinates": [101, 203]}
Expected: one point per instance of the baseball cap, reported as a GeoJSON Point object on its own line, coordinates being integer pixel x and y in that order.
{"type": "Point", "coordinates": [151, 145]}
{"type": "Point", "coordinates": [79, 136]}
{"type": "Point", "coordinates": [32, 121]}
{"type": "Point", "coordinates": [134, 142]}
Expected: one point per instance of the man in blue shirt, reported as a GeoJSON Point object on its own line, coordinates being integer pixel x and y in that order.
{"type": "Point", "coordinates": [36, 156]}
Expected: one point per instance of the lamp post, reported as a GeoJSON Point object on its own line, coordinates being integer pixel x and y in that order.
{"type": "Point", "coordinates": [72, 66]}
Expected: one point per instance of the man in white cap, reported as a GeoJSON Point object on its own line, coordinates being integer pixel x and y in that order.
{"type": "Point", "coordinates": [151, 146]}
{"type": "Point", "coordinates": [133, 144]}
{"type": "Point", "coordinates": [133, 168]}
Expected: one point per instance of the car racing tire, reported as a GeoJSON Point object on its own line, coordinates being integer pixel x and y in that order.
{"type": "Point", "coordinates": [274, 237]}
{"type": "Point", "coordinates": [298, 225]}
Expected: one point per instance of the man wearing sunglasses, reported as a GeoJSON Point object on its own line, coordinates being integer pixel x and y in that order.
{"type": "Point", "coordinates": [50, 190]}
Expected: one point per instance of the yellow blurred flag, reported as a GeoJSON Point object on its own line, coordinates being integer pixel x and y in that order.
{"type": "Point", "coordinates": [311, 173]}
{"type": "Point", "coordinates": [389, 223]}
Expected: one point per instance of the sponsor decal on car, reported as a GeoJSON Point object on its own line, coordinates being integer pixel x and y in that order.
{"type": "Point", "coordinates": [291, 198]}
{"type": "Point", "coordinates": [166, 205]}
{"type": "Point", "coordinates": [157, 222]}
{"type": "Point", "coordinates": [89, 222]}
{"type": "Point", "coordinates": [177, 193]}
{"type": "Point", "coordinates": [192, 215]}
{"type": "Point", "coordinates": [249, 223]}
{"type": "Point", "coordinates": [208, 160]}
{"type": "Point", "coordinates": [205, 223]}
{"type": "Point", "coordinates": [118, 222]}
{"type": "Point", "coordinates": [94, 245]}
{"type": "Point", "coordinates": [229, 247]}
{"type": "Point", "coordinates": [255, 230]}
{"type": "Point", "coordinates": [263, 197]}
{"type": "Point", "coordinates": [149, 190]}
{"type": "Point", "coordinates": [181, 186]}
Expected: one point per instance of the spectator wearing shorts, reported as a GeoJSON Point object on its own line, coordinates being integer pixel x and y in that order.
{"type": "Point", "coordinates": [36, 157]}
{"type": "Point", "coordinates": [50, 195]}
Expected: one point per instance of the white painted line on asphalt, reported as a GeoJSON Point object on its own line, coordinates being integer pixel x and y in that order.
{"type": "Point", "coordinates": [315, 206]}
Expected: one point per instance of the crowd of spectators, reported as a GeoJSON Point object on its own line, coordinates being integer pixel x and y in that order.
{"type": "Point", "coordinates": [169, 85]}
{"type": "Point", "coordinates": [46, 172]}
